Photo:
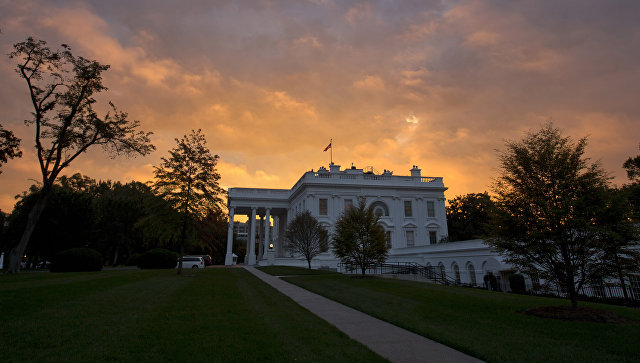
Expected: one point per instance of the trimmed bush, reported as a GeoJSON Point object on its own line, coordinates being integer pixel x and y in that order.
{"type": "Point", "coordinates": [76, 260]}
{"type": "Point", "coordinates": [158, 258]}
{"type": "Point", "coordinates": [516, 281]}
{"type": "Point", "coordinates": [133, 260]}
{"type": "Point", "coordinates": [490, 282]}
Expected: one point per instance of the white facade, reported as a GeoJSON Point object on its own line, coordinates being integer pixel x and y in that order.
{"type": "Point", "coordinates": [411, 209]}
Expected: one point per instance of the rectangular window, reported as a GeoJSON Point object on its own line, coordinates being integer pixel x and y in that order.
{"type": "Point", "coordinates": [408, 211]}
{"type": "Point", "coordinates": [433, 237]}
{"type": "Point", "coordinates": [322, 207]}
{"type": "Point", "coordinates": [348, 204]}
{"type": "Point", "coordinates": [387, 236]}
{"type": "Point", "coordinates": [410, 239]}
{"type": "Point", "coordinates": [431, 209]}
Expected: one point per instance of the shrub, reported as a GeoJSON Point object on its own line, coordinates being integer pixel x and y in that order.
{"type": "Point", "coordinates": [77, 259]}
{"type": "Point", "coordinates": [516, 281]}
{"type": "Point", "coordinates": [490, 282]}
{"type": "Point", "coordinates": [132, 260]}
{"type": "Point", "coordinates": [158, 258]}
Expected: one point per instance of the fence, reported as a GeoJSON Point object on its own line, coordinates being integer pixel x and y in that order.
{"type": "Point", "coordinates": [606, 293]}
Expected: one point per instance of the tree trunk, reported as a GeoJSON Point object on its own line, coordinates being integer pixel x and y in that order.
{"type": "Point", "coordinates": [183, 237]}
{"type": "Point", "coordinates": [15, 256]}
{"type": "Point", "coordinates": [571, 289]}
{"type": "Point", "coordinates": [309, 263]}
{"type": "Point", "coordinates": [621, 277]}
{"type": "Point", "coordinates": [115, 256]}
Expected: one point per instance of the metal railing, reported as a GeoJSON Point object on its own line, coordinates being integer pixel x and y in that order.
{"type": "Point", "coordinates": [434, 274]}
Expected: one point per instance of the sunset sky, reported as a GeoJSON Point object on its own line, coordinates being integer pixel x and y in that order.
{"type": "Point", "coordinates": [438, 84]}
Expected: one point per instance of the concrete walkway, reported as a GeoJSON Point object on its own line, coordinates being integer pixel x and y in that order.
{"type": "Point", "coordinates": [391, 342]}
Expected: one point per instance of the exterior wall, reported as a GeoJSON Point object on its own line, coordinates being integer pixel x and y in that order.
{"type": "Point", "coordinates": [387, 191]}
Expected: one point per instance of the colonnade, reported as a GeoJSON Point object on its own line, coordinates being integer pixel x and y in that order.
{"type": "Point", "coordinates": [269, 245]}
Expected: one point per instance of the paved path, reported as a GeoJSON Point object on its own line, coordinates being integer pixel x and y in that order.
{"type": "Point", "coordinates": [391, 342]}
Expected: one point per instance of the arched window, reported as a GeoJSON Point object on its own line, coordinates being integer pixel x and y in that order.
{"type": "Point", "coordinates": [472, 273]}
{"type": "Point", "coordinates": [380, 209]}
{"type": "Point", "coordinates": [443, 270]}
{"type": "Point", "coordinates": [456, 272]}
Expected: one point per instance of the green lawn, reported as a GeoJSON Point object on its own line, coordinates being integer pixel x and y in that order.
{"type": "Point", "coordinates": [488, 325]}
{"type": "Point", "coordinates": [211, 315]}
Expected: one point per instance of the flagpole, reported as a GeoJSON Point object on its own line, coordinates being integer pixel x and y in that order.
{"type": "Point", "coordinates": [331, 143]}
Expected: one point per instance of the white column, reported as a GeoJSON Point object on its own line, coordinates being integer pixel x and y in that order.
{"type": "Point", "coordinates": [252, 238]}
{"type": "Point", "coordinates": [269, 252]}
{"type": "Point", "coordinates": [228, 259]}
{"type": "Point", "coordinates": [266, 229]}
{"type": "Point", "coordinates": [250, 225]}
{"type": "Point", "coordinates": [261, 242]}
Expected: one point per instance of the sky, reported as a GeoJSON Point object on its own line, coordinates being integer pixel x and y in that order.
{"type": "Point", "coordinates": [438, 84]}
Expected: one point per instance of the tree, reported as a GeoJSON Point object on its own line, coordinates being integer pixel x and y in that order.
{"type": "Point", "coordinates": [359, 239]}
{"type": "Point", "coordinates": [547, 200]}
{"type": "Point", "coordinates": [633, 168]}
{"type": "Point", "coordinates": [61, 89]}
{"type": "Point", "coordinates": [306, 236]}
{"type": "Point", "coordinates": [188, 180]}
{"type": "Point", "coordinates": [212, 232]}
{"type": "Point", "coordinates": [9, 146]}
{"type": "Point", "coordinates": [615, 232]}
{"type": "Point", "coordinates": [468, 216]}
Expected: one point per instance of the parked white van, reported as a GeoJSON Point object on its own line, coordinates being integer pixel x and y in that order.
{"type": "Point", "coordinates": [191, 262]}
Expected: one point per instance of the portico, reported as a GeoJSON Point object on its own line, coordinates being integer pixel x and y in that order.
{"type": "Point", "coordinates": [263, 208]}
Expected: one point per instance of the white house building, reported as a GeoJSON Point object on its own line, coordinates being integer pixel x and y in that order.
{"type": "Point", "coordinates": [411, 210]}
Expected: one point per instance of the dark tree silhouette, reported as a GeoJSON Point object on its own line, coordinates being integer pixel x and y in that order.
{"type": "Point", "coordinates": [306, 236]}
{"type": "Point", "coordinates": [359, 239]}
{"type": "Point", "coordinates": [547, 198]}
{"type": "Point", "coordinates": [188, 180]}
{"type": "Point", "coordinates": [468, 216]}
{"type": "Point", "coordinates": [61, 88]}
{"type": "Point", "coordinates": [9, 146]}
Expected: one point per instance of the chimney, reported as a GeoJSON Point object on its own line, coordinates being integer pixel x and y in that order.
{"type": "Point", "coordinates": [415, 171]}
{"type": "Point", "coordinates": [334, 168]}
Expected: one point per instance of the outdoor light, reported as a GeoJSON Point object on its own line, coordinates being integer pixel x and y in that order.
{"type": "Point", "coordinates": [270, 246]}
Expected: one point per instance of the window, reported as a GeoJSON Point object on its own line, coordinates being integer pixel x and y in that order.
{"type": "Point", "coordinates": [408, 212]}
{"type": "Point", "coordinates": [456, 272]}
{"type": "Point", "coordinates": [431, 209]}
{"type": "Point", "coordinates": [472, 274]}
{"type": "Point", "coordinates": [410, 239]}
{"type": "Point", "coordinates": [348, 204]}
{"type": "Point", "coordinates": [433, 237]}
{"type": "Point", "coordinates": [322, 207]}
{"type": "Point", "coordinates": [378, 211]}
{"type": "Point", "coordinates": [387, 236]}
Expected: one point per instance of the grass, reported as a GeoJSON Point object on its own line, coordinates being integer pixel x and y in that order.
{"type": "Point", "coordinates": [210, 315]}
{"type": "Point", "coordinates": [485, 324]}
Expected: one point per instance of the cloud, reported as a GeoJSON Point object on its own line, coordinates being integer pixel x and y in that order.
{"type": "Point", "coordinates": [438, 84]}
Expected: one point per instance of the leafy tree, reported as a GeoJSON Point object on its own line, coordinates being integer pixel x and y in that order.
{"type": "Point", "coordinates": [632, 191]}
{"type": "Point", "coordinates": [61, 88]}
{"type": "Point", "coordinates": [468, 216]}
{"type": "Point", "coordinates": [188, 180]}
{"type": "Point", "coordinates": [212, 231]}
{"type": "Point", "coordinates": [67, 221]}
{"type": "Point", "coordinates": [358, 238]}
{"type": "Point", "coordinates": [632, 165]}
{"type": "Point", "coordinates": [306, 236]}
{"type": "Point", "coordinates": [615, 232]}
{"type": "Point", "coordinates": [547, 200]}
{"type": "Point", "coordinates": [9, 146]}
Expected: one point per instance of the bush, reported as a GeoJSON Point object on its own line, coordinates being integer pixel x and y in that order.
{"type": "Point", "coordinates": [133, 260]}
{"type": "Point", "coordinates": [490, 282]}
{"type": "Point", "coordinates": [158, 258]}
{"type": "Point", "coordinates": [516, 281]}
{"type": "Point", "coordinates": [76, 260]}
